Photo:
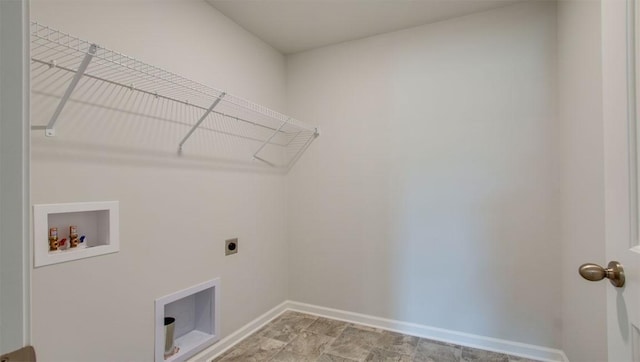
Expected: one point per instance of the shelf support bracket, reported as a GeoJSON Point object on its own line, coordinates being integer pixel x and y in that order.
{"type": "Point", "coordinates": [255, 155]}
{"type": "Point", "coordinates": [195, 126]}
{"type": "Point", "coordinates": [49, 130]}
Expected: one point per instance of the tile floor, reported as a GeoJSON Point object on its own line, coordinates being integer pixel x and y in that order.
{"type": "Point", "coordinates": [299, 337]}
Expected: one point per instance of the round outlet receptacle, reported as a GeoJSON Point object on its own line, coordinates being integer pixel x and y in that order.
{"type": "Point", "coordinates": [231, 246]}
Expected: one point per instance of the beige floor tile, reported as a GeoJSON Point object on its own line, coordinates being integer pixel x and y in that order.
{"type": "Point", "coordinates": [288, 356]}
{"type": "Point", "coordinates": [260, 352]}
{"type": "Point", "coordinates": [286, 327]}
{"type": "Point", "coordinates": [327, 327]}
{"type": "Point", "coordinates": [355, 343]}
{"type": "Point", "coordinates": [398, 342]}
{"type": "Point", "coordinates": [299, 337]}
{"type": "Point", "coordinates": [383, 355]}
{"type": "Point", "coordinates": [331, 358]}
{"type": "Point", "coordinates": [432, 351]}
{"type": "Point", "coordinates": [310, 344]}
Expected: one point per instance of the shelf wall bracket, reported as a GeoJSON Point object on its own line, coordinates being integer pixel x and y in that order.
{"type": "Point", "coordinates": [195, 126]}
{"type": "Point", "coordinates": [255, 155]}
{"type": "Point", "coordinates": [50, 130]}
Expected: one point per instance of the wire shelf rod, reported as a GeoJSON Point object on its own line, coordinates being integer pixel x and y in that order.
{"type": "Point", "coordinates": [294, 137]}
{"type": "Point", "coordinates": [74, 82]}
{"type": "Point", "coordinates": [117, 109]}
{"type": "Point", "coordinates": [121, 60]}
{"type": "Point", "coordinates": [157, 95]}
{"type": "Point", "coordinates": [303, 148]}
{"type": "Point", "coordinates": [255, 155]}
{"type": "Point", "coordinates": [125, 61]}
{"type": "Point", "coordinates": [195, 126]}
{"type": "Point", "coordinates": [118, 83]}
{"type": "Point", "coordinates": [148, 92]}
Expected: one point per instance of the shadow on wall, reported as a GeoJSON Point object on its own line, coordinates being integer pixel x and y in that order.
{"type": "Point", "coordinates": [103, 111]}
{"type": "Point", "coordinates": [475, 219]}
{"type": "Point", "coordinates": [436, 180]}
{"type": "Point", "coordinates": [463, 259]}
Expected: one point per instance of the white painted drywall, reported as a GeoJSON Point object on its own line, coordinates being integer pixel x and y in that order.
{"type": "Point", "coordinates": [580, 116]}
{"type": "Point", "coordinates": [432, 195]}
{"type": "Point", "coordinates": [174, 215]}
{"type": "Point", "coordinates": [429, 198]}
{"type": "Point", "coordinates": [14, 176]}
{"type": "Point", "coordinates": [622, 304]}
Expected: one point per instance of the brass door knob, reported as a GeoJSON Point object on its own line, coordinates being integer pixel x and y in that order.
{"type": "Point", "coordinates": [594, 273]}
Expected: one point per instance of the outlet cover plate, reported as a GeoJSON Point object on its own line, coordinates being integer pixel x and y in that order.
{"type": "Point", "coordinates": [231, 246]}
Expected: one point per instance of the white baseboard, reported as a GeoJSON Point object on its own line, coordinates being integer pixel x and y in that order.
{"type": "Point", "coordinates": [438, 334]}
{"type": "Point", "coordinates": [231, 340]}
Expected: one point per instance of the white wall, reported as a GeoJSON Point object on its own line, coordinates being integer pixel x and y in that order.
{"type": "Point", "coordinates": [14, 176]}
{"type": "Point", "coordinates": [432, 195]}
{"type": "Point", "coordinates": [435, 194]}
{"type": "Point", "coordinates": [580, 116]}
{"type": "Point", "coordinates": [174, 214]}
{"type": "Point", "coordinates": [622, 304]}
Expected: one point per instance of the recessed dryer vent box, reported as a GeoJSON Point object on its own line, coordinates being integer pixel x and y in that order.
{"type": "Point", "coordinates": [195, 310]}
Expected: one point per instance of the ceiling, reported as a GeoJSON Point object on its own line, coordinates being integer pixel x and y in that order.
{"type": "Point", "coordinates": [292, 26]}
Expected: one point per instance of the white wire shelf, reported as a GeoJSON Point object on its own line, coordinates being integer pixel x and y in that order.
{"type": "Point", "coordinates": [68, 72]}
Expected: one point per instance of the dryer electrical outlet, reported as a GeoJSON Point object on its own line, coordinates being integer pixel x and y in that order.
{"type": "Point", "coordinates": [231, 246]}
